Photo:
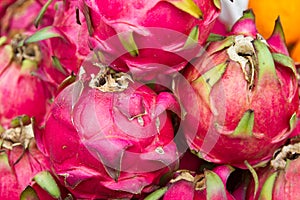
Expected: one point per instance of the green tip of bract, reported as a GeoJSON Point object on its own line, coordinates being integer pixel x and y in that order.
{"type": "Point", "coordinates": [157, 194]}
{"type": "Point", "coordinates": [29, 193]}
{"type": "Point", "coordinates": [1, 130]}
{"type": "Point", "coordinates": [215, 37]}
{"type": "Point", "coordinates": [278, 28]}
{"type": "Point", "coordinates": [3, 39]}
{"type": "Point", "coordinates": [20, 120]}
{"type": "Point", "coordinates": [29, 66]}
{"type": "Point", "coordinates": [41, 13]}
{"type": "Point", "coordinates": [265, 60]}
{"type": "Point", "coordinates": [188, 6]}
{"type": "Point", "coordinates": [192, 38]}
{"type": "Point", "coordinates": [57, 64]}
{"type": "Point", "coordinates": [217, 4]}
{"type": "Point", "coordinates": [215, 188]}
{"type": "Point", "coordinates": [210, 78]}
{"type": "Point", "coordinates": [293, 121]}
{"type": "Point", "coordinates": [248, 14]}
{"type": "Point", "coordinates": [45, 180]}
{"type": "Point", "coordinates": [245, 125]}
{"type": "Point", "coordinates": [128, 43]}
{"type": "Point", "coordinates": [254, 175]}
{"type": "Point", "coordinates": [43, 34]}
{"type": "Point", "coordinates": [4, 162]}
{"type": "Point", "coordinates": [267, 188]}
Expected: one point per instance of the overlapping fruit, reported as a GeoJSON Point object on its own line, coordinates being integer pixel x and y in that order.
{"type": "Point", "coordinates": [247, 92]}
{"type": "Point", "coordinates": [134, 99]}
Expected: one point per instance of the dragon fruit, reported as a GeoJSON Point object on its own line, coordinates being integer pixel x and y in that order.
{"type": "Point", "coordinates": [210, 185]}
{"type": "Point", "coordinates": [23, 168]}
{"type": "Point", "coordinates": [20, 16]}
{"type": "Point", "coordinates": [296, 131]}
{"type": "Point", "coordinates": [190, 161]}
{"type": "Point", "coordinates": [219, 28]}
{"type": "Point", "coordinates": [113, 136]}
{"type": "Point", "coordinates": [150, 32]}
{"type": "Point", "coordinates": [68, 50]}
{"type": "Point", "coordinates": [247, 96]}
{"type": "Point", "coordinates": [4, 6]}
{"type": "Point", "coordinates": [22, 93]}
{"type": "Point", "coordinates": [279, 180]}
{"type": "Point", "coordinates": [72, 47]}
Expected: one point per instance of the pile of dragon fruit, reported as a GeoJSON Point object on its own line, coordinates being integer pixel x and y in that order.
{"type": "Point", "coordinates": [136, 99]}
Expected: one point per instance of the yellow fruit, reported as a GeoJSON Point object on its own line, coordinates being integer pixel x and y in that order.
{"type": "Point", "coordinates": [295, 54]}
{"type": "Point", "coordinates": [266, 12]}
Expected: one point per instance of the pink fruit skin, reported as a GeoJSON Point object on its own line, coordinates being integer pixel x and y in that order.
{"type": "Point", "coordinates": [73, 48]}
{"type": "Point", "coordinates": [274, 100]}
{"type": "Point", "coordinates": [47, 72]}
{"type": "Point", "coordinates": [21, 92]}
{"type": "Point", "coordinates": [219, 28]}
{"type": "Point", "coordinates": [296, 131]}
{"type": "Point", "coordinates": [184, 189]}
{"type": "Point", "coordinates": [190, 161]}
{"type": "Point", "coordinates": [285, 185]}
{"type": "Point", "coordinates": [93, 135]}
{"type": "Point", "coordinates": [16, 176]}
{"type": "Point", "coordinates": [43, 194]}
{"type": "Point", "coordinates": [20, 17]}
{"type": "Point", "coordinates": [70, 49]}
{"type": "Point", "coordinates": [4, 6]}
{"type": "Point", "coordinates": [159, 29]}
{"type": "Point", "coordinates": [263, 174]}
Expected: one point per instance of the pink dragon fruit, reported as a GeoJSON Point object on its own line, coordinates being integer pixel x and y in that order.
{"type": "Point", "coordinates": [247, 96]}
{"type": "Point", "coordinates": [4, 5]}
{"type": "Point", "coordinates": [190, 161]}
{"type": "Point", "coordinates": [72, 48]}
{"type": "Point", "coordinates": [296, 131]}
{"type": "Point", "coordinates": [20, 16]}
{"type": "Point", "coordinates": [108, 137]}
{"type": "Point", "coordinates": [280, 179]}
{"type": "Point", "coordinates": [210, 185]}
{"type": "Point", "coordinates": [23, 168]}
{"type": "Point", "coordinates": [150, 32]}
{"type": "Point", "coordinates": [219, 28]}
{"type": "Point", "coordinates": [22, 93]}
